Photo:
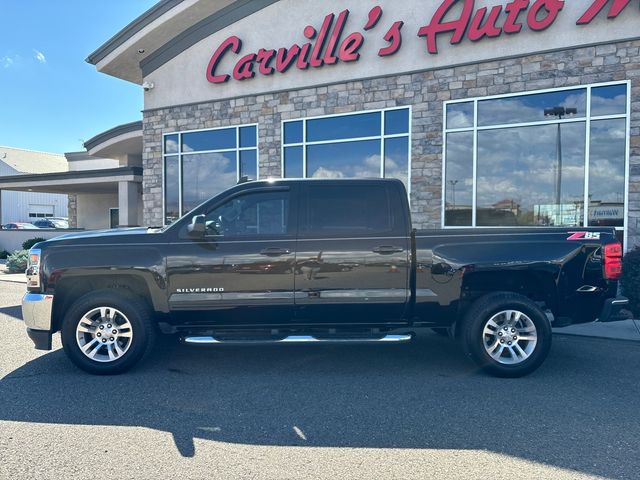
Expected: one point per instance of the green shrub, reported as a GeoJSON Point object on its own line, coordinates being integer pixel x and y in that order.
{"type": "Point", "coordinates": [17, 261]}
{"type": "Point", "coordinates": [631, 280]}
{"type": "Point", "coordinates": [31, 242]}
{"type": "Point", "coordinates": [3, 254]}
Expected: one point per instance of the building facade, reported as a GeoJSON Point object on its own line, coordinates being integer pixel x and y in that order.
{"type": "Point", "coordinates": [493, 113]}
{"type": "Point", "coordinates": [29, 206]}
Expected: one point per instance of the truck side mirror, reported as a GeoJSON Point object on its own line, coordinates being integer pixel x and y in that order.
{"type": "Point", "coordinates": [197, 226]}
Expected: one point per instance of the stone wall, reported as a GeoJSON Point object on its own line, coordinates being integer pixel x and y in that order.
{"type": "Point", "coordinates": [72, 206]}
{"type": "Point", "coordinates": [425, 92]}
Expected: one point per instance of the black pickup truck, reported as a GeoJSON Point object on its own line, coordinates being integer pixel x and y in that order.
{"type": "Point", "coordinates": [318, 261]}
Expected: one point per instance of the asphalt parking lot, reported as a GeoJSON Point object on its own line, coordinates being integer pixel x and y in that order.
{"type": "Point", "coordinates": [411, 411]}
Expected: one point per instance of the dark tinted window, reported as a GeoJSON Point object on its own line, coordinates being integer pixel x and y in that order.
{"type": "Point", "coordinates": [349, 210]}
{"type": "Point", "coordinates": [253, 214]}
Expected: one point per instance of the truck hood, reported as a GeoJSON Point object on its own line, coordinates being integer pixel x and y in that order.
{"type": "Point", "coordinates": [96, 234]}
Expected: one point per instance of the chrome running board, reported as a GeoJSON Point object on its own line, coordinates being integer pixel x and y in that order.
{"type": "Point", "coordinates": [299, 339]}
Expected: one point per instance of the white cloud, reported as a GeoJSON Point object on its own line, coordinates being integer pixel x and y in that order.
{"type": "Point", "coordinates": [7, 61]}
{"type": "Point", "coordinates": [327, 173]}
{"type": "Point", "coordinates": [39, 56]}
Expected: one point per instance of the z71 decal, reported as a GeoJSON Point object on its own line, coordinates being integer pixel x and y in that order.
{"type": "Point", "coordinates": [584, 236]}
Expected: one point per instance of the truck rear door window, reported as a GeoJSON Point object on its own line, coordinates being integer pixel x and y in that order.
{"type": "Point", "coordinates": [347, 211]}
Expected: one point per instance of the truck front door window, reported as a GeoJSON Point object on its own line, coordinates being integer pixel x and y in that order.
{"type": "Point", "coordinates": [258, 214]}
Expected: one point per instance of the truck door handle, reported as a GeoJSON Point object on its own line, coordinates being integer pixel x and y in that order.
{"type": "Point", "coordinates": [275, 252]}
{"type": "Point", "coordinates": [387, 250]}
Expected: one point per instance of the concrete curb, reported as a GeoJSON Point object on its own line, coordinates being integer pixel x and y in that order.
{"type": "Point", "coordinates": [627, 330]}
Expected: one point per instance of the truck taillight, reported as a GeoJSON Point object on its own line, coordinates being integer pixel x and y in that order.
{"type": "Point", "coordinates": [612, 261]}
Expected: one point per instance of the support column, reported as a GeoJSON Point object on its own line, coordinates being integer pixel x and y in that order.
{"type": "Point", "coordinates": [128, 203]}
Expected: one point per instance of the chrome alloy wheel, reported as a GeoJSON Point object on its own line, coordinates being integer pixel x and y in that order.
{"type": "Point", "coordinates": [510, 337]}
{"type": "Point", "coordinates": [104, 334]}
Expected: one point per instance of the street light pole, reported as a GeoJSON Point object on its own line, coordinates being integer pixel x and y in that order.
{"type": "Point", "coordinates": [559, 113]}
{"type": "Point", "coordinates": [453, 188]}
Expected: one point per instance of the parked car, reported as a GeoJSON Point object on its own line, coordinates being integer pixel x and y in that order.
{"type": "Point", "coordinates": [19, 226]}
{"type": "Point", "coordinates": [52, 223]}
{"type": "Point", "coordinates": [367, 277]}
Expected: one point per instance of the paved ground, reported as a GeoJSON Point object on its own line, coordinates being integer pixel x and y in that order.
{"type": "Point", "coordinates": [413, 411]}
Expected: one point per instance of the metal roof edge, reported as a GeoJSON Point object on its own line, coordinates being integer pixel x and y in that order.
{"type": "Point", "coordinates": [112, 133]}
{"type": "Point", "coordinates": [229, 15]}
{"type": "Point", "coordinates": [130, 30]}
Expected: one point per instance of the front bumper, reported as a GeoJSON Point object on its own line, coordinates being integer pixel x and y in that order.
{"type": "Point", "coordinates": [37, 312]}
{"type": "Point", "coordinates": [615, 310]}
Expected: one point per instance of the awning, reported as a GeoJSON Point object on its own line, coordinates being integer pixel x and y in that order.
{"type": "Point", "coordinates": [83, 181]}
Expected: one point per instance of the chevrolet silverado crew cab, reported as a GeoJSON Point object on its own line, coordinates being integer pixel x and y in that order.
{"type": "Point", "coordinates": [317, 261]}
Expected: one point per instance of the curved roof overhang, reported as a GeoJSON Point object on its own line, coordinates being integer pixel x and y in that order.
{"type": "Point", "coordinates": [165, 31]}
{"type": "Point", "coordinates": [117, 142]}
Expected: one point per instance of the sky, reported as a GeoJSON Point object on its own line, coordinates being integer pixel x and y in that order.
{"type": "Point", "coordinates": [50, 99]}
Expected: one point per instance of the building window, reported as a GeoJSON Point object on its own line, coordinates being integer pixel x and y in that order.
{"type": "Point", "coordinates": [553, 158]}
{"type": "Point", "coordinates": [372, 144]}
{"type": "Point", "coordinates": [200, 164]}
{"type": "Point", "coordinates": [114, 217]}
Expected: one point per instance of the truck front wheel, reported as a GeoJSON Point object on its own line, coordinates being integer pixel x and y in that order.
{"type": "Point", "coordinates": [107, 332]}
{"type": "Point", "coordinates": [506, 334]}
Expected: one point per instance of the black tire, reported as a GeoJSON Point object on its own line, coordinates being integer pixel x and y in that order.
{"type": "Point", "coordinates": [136, 311]}
{"type": "Point", "coordinates": [473, 336]}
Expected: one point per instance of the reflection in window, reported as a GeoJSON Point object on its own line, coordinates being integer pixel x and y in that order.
{"type": "Point", "coordinates": [611, 100]}
{"type": "Point", "coordinates": [249, 164]}
{"type": "Point", "coordinates": [171, 189]}
{"type": "Point", "coordinates": [293, 132]}
{"type": "Point", "coordinates": [529, 108]}
{"type": "Point", "coordinates": [205, 175]}
{"type": "Point", "coordinates": [224, 139]}
{"type": "Point", "coordinates": [344, 127]}
{"type": "Point", "coordinates": [531, 176]}
{"type": "Point", "coordinates": [344, 160]}
{"type": "Point", "coordinates": [249, 215]}
{"type": "Point", "coordinates": [607, 173]}
{"type": "Point", "coordinates": [459, 175]}
{"type": "Point", "coordinates": [396, 159]}
{"type": "Point", "coordinates": [202, 164]}
{"type": "Point", "coordinates": [534, 172]}
{"type": "Point", "coordinates": [362, 145]}
{"type": "Point", "coordinates": [293, 162]}
{"type": "Point", "coordinates": [460, 115]}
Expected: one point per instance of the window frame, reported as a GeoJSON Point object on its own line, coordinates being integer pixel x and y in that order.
{"type": "Point", "coordinates": [587, 119]}
{"type": "Point", "coordinates": [180, 154]}
{"type": "Point", "coordinates": [382, 138]}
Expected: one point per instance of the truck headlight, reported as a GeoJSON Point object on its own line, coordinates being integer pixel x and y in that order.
{"type": "Point", "coordinates": [33, 269]}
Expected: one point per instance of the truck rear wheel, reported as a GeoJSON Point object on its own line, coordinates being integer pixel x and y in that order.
{"type": "Point", "coordinates": [506, 334]}
{"type": "Point", "coordinates": [107, 332]}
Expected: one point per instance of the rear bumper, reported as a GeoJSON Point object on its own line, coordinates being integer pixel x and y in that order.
{"type": "Point", "coordinates": [37, 315]}
{"type": "Point", "coordinates": [615, 310]}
